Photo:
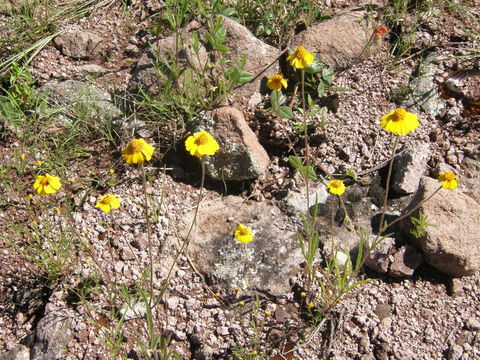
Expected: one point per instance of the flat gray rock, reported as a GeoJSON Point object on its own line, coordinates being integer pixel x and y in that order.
{"type": "Point", "coordinates": [266, 263]}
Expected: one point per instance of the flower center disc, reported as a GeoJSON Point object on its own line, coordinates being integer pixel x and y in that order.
{"type": "Point", "coordinates": [136, 146]}
{"type": "Point", "coordinates": [243, 232]}
{"type": "Point", "coordinates": [202, 140]}
{"type": "Point", "coordinates": [45, 182]}
{"type": "Point", "coordinates": [398, 115]}
{"type": "Point", "coordinates": [300, 53]}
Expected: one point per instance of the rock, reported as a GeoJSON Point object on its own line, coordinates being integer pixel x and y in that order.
{"type": "Point", "coordinates": [21, 352]}
{"type": "Point", "coordinates": [135, 309]}
{"type": "Point", "coordinates": [340, 41]}
{"type": "Point", "coordinates": [451, 244]}
{"type": "Point", "coordinates": [240, 41]}
{"type": "Point", "coordinates": [455, 352]}
{"type": "Point", "coordinates": [405, 261]}
{"type": "Point", "coordinates": [383, 311]}
{"type": "Point", "coordinates": [379, 258]}
{"type": "Point", "coordinates": [423, 94]}
{"type": "Point", "coordinates": [83, 98]}
{"type": "Point", "coordinates": [79, 45]}
{"type": "Point", "coordinates": [409, 167]}
{"type": "Point", "coordinates": [266, 263]}
{"type": "Point", "coordinates": [152, 69]}
{"type": "Point", "coordinates": [126, 254]}
{"type": "Point", "coordinates": [296, 199]}
{"type": "Point", "coordinates": [241, 157]}
{"type": "Point", "coordinates": [51, 335]}
{"type": "Point", "coordinates": [472, 324]}
{"type": "Point", "coordinates": [91, 69]}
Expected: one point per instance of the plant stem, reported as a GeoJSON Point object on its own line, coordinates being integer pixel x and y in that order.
{"type": "Point", "coordinates": [408, 213]}
{"type": "Point", "coordinates": [305, 130]}
{"type": "Point", "coordinates": [149, 230]}
{"type": "Point", "coordinates": [387, 187]}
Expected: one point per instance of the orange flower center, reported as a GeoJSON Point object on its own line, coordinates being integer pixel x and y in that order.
{"type": "Point", "coordinates": [449, 176]}
{"type": "Point", "coordinates": [136, 146]}
{"type": "Point", "coordinates": [335, 184]}
{"type": "Point", "coordinates": [300, 53]}
{"type": "Point", "coordinates": [398, 115]}
{"type": "Point", "coordinates": [243, 232]}
{"type": "Point", "coordinates": [44, 181]}
{"type": "Point", "coordinates": [201, 140]}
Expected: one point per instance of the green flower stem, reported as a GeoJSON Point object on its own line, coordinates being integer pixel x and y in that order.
{"type": "Point", "coordinates": [149, 230]}
{"type": "Point", "coordinates": [307, 147]}
{"type": "Point", "coordinates": [344, 208]}
{"type": "Point", "coordinates": [387, 187]}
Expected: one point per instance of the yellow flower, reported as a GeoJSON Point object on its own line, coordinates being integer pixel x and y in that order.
{"type": "Point", "coordinates": [336, 187]}
{"type": "Point", "coordinates": [71, 180]}
{"type": "Point", "coordinates": [47, 184]}
{"type": "Point", "coordinates": [111, 171]}
{"type": "Point", "coordinates": [276, 82]}
{"type": "Point", "coordinates": [243, 233]}
{"type": "Point", "coordinates": [201, 143]}
{"type": "Point", "coordinates": [108, 202]}
{"type": "Point", "coordinates": [30, 196]}
{"type": "Point", "coordinates": [22, 157]}
{"type": "Point", "coordinates": [137, 152]}
{"type": "Point", "coordinates": [34, 223]}
{"type": "Point", "coordinates": [39, 163]}
{"type": "Point", "coordinates": [449, 180]}
{"type": "Point", "coordinates": [311, 305]}
{"type": "Point", "coordinates": [241, 303]}
{"type": "Point", "coordinates": [300, 58]}
{"type": "Point", "coordinates": [399, 121]}
{"type": "Point", "coordinates": [303, 294]}
{"type": "Point", "coordinates": [87, 261]}
{"type": "Point", "coordinates": [57, 210]}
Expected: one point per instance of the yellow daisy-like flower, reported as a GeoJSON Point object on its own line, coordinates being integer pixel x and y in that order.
{"type": "Point", "coordinates": [137, 152]}
{"type": "Point", "coordinates": [39, 163]}
{"type": "Point", "coordinates": [336, 187]}
{"type": "Point", "coordinates": [276, 82]}
{"type": "Point", "coordinates": [108, 202]}
{"type": "Point", "coordinates": [200, 144]}
{"type": "Point", "coordinates": [111, 171]}
{"type": "Point", "coordinates": [399, 121]}
{"type": "Point", "coordinates": [300, 58]}
{"type": "Point", "coordinates": [243, 233]}
{"type": "Point", "coordinates": [47, 184]}
{"type": "Point", "coordinates": [449, 180]}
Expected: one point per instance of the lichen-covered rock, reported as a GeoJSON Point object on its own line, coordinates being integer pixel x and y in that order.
{"type": "Point", "coordinates": [340, 41]}
{"type": "Point", "coordinates": [452, 242]}
{"type": "Point", "coordinates": [79, 44]}
{"type": "Point", "coordinates": [266, 263]}
{"type": "Point", "coordinates": [241, 157]}
{"type": "Point", "coordinates": [409, 167]}
{"type": "Point", "coordinates": [82, 97]}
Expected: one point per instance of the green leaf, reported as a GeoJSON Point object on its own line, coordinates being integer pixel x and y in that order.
{"type": "Point", "coordinates": [321, 88]}
{"type": "Point", "coordinates": [237, 76]}
{"type": "Point", "coordinates": [285, 112]}
{"type": "Point", "coordinates": [296, 162]}
{"type": "Point", "coordinates": [352, 174]}
{"type": "Point", "coordinates": [315, 67]}
{"type": "Point", "coordinates": [327, 75]}
{"type": "Point", "coordinates": [339, 89]}
{"type": "Point", "coordinates": [308, 171]}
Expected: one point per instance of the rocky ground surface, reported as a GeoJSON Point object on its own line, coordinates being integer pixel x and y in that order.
{"type": "Point", "coordinates": [228, 300]}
